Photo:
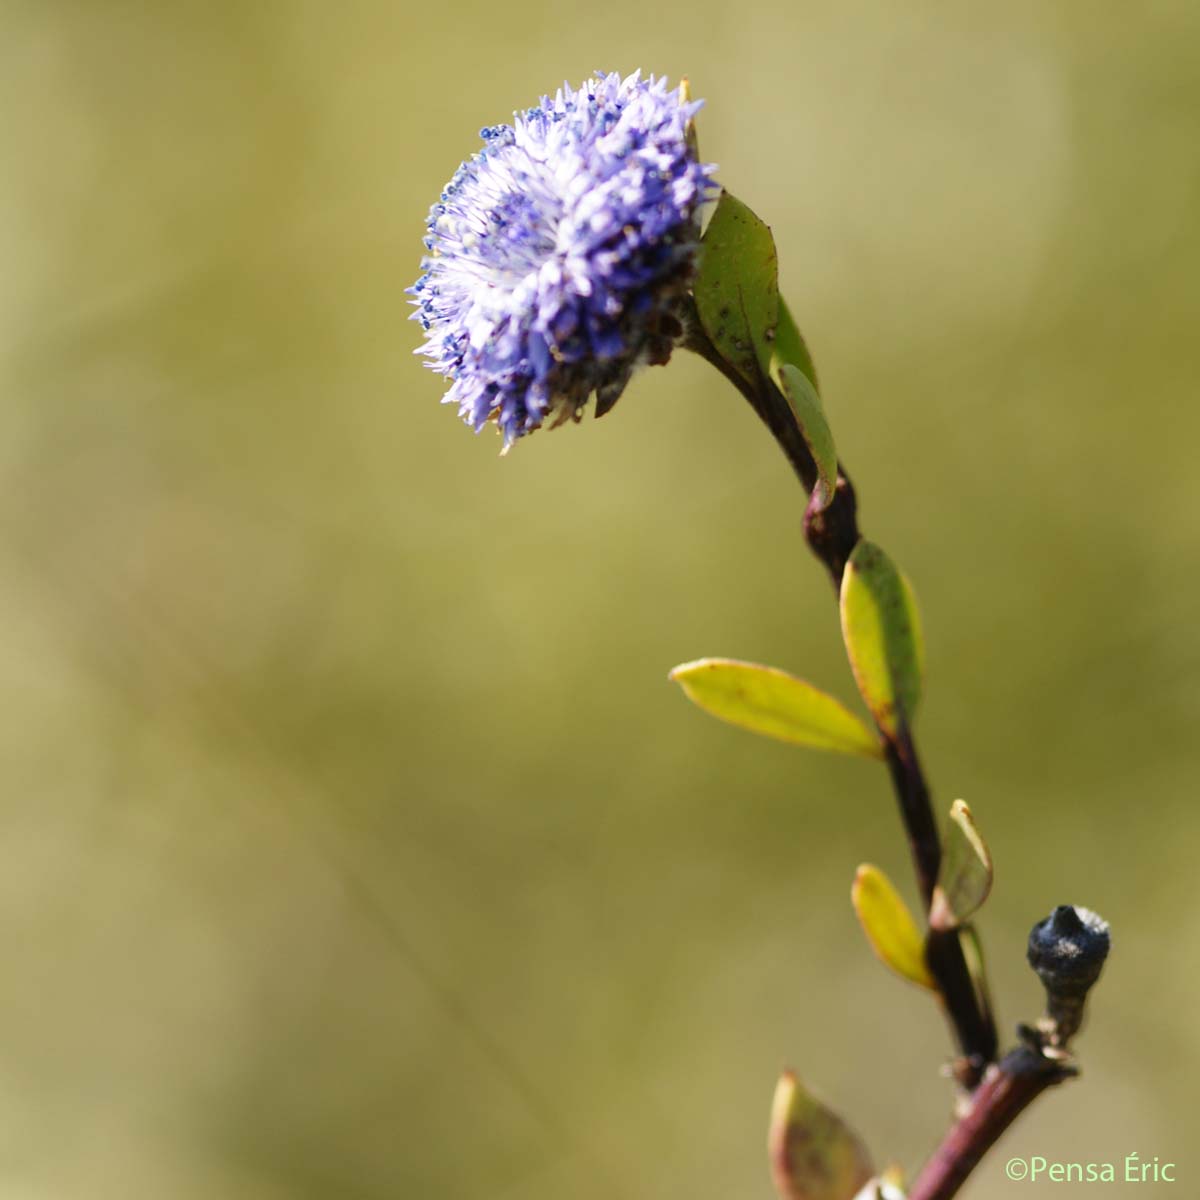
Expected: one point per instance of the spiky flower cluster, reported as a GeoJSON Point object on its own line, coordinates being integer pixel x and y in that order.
{"type": "Point", "coordinates": [558, 256]}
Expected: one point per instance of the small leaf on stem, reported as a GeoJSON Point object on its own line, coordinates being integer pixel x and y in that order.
{"type": "Point", "coordinates": [889, 926]}
{"type": "Point", "coordinates": [771, 702]}
{"type": "Point", "coordinates": [790, 346]}
{"type": "Point", "coordinates": [814, 1154]}
{"type": "Point", "coordinates": [965, 878]}
{"type": "Point", "coordinates": [882, 631]}
{"type": "Point", "coordinates": [806, 404]}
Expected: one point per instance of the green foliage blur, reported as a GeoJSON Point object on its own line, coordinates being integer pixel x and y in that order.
{"type": "Point", "coordinates": [353, 842]}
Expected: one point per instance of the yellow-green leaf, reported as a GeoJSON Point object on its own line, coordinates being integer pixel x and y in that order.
{"type": "Point", "coordinates": [814, 1154]}
{"type": "Point", "coordinates": [806, 404]}
{"type": "Point", "coordinates": [882, 631]}
{"type": "Point", "coordinates": [737, 288]}
{"type": "Point", "coordinates": [965, 877]}
{"type": "Point", "coordinates": [889, 925]}
{"type": "Point", "coordinates": [772, 702]}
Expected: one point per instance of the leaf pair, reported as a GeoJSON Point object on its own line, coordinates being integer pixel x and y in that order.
{"type": "Point", "coordinates": [882, 632]}
{"type": "Point", "coordinates": [738, 302]}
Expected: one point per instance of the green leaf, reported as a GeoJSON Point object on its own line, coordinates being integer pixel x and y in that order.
{"type": "Point", "coordinates": [965, 877]}
{"type": "Point", "coordinates": [814, 1154]}
{"type": "Point", "coordinates": [737, 288]}
{"type": "Point", "coordinates": [806, 404]}
{"type": "Point", "coordinates": [790, 346]}
{"type": "Point", "coordinates": [882, 631]}
{"type": "Point", "coordinates": [889, 925]}
{"type": "Point", "coordinates": [772, 702]}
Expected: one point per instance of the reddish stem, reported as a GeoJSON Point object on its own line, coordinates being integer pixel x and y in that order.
{"type": "Point", "coordinates": [1007, 1089]}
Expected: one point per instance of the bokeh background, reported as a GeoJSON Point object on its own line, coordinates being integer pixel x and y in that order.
{"type": "Point", "coordinates": [352, 840]}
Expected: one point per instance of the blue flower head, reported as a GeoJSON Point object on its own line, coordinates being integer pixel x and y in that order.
{"type": "Point", "coordinates": [559, 255]}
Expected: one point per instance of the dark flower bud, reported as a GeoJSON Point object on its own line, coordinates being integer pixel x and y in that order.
{"type": "Point", "coordinates": [1067, 950]}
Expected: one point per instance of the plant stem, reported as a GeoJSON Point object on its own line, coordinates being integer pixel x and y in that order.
{"type": "Point", "coordinates": [832, 535]}
{"type": "Point", "coordinates": [972, 1020]}
{"type": "Point", "coordinates": [1007, 1089]}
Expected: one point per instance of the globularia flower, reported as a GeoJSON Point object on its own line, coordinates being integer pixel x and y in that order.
{"type": "Point", "coordinates": [559, 255]}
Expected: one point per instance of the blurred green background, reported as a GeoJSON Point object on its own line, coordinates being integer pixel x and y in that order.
{"type": "Point", "coordinates": [353, 842]}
